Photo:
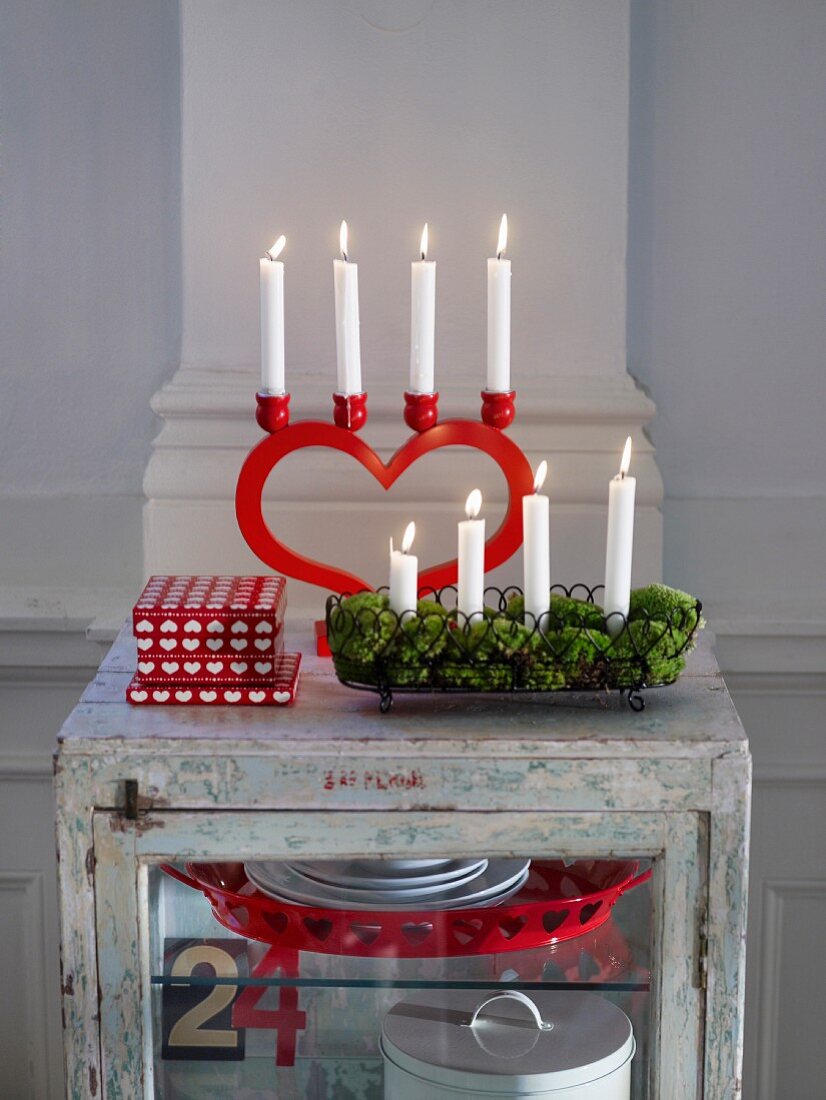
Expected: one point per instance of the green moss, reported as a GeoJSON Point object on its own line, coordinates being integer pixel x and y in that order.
{"type": "Point", "coordinates": [363, 628]}
{"type": "Point", "coordinates": [658, 601]}
{"type": "Point", "coordinates": [653, 648]}
{"type": "Point", "coordinates": [472, 642]}
{"type": "Point", "coordinates": [433, 649]}
{"type": "Point", "coordinates": [487, 677]}
{"type": "Point", "coordinates": [564, 611]}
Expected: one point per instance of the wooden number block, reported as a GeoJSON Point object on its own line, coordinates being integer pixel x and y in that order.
{"type": "Point", "coordinates": [197, 1019]}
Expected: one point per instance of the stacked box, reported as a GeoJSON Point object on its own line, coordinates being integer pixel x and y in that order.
{"type": "Point", "coordinates": [276, 690]}
{"type": "Point", "coordinates": [212, 639]}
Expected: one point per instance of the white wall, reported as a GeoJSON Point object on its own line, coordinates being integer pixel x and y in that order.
{"type": "Point", "coordinates": [392, 114]}
{"type": "Point", "coordinates": [389, 115]}
{"type": "Point", "coordinates": [89, 327]}
{"type": "Point", "coordinates": [727, 328]}
{"type": "Point", "coordinates": [727, 279]}
{"type": "Point", "coordinates": [90, 310]}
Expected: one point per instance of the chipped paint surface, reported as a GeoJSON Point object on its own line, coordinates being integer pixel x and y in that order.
{"type": "Point", "coordinates": [334, 778]}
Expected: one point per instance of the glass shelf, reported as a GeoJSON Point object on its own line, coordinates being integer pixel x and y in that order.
{"type": "Point", "coordinates": [400, 983]}
{"type": "Point", "coordinates": [306, 1023]}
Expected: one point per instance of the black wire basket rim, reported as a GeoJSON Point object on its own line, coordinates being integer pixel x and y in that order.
{"type": "Point", "coordinates": [678, 619]}
{"type": "Point", "coordinates": [517, 640]}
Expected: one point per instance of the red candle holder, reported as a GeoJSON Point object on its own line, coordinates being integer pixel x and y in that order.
{"type": "Point", "coordinates": [350, 411]}
{"type": "Point", "coordinates": [350, 414]}
{"type": "Point", "coordinates": [498, 408]}
{"type": "Point", "coordinates": [273, 411]}
{"type": "Point", "coordinates": [421, 410]}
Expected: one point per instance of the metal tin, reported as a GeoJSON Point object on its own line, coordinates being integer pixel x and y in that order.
{"type": "Point", "coordinates": [444, 1044]}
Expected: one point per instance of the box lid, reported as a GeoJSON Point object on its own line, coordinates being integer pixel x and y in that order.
{"type": "Point", "coordinates": [508, 1048]}
{"type": "Point", "coordinates": [201, 606]}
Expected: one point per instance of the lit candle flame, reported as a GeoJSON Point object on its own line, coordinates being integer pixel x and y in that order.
{"type": "Point", "coordinates": [502, 244]}
{"type": "Point", "coordinates": [342, 240]}
{"type": "Point", "coordinates": [626, 458]}
{"type": "Point", "coordinates": [473, 504]}
{"type": "Point", "coordinates": [409, 535]}
{"type": "Point", "coordinates": [276, 250]}
{"type": "Point", "coordinates": [423, 244]}
{"type": "Point", "coordinates": [541, 474]}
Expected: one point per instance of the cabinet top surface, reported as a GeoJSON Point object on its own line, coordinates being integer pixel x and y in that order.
{"type": "Point", "coordinates": [695, 716]}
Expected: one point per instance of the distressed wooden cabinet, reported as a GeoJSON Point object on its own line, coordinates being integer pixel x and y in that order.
{"type": "Point", "coordinates": [576, 778]}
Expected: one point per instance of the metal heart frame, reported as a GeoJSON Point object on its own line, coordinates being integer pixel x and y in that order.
{"type": "Point", "coordinates": [263, 459]}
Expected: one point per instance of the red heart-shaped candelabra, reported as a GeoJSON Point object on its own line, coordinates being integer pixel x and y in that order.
{"type": "Point", "coordinates": [284, 439]}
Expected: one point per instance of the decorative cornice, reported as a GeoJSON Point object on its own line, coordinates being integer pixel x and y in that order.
{"type": "Point", "coordinates": [577, 422]}
{"type": "Point", "coordinates": [195, 392]}
{"type": "Point", "coordinates": [25, 767]}
{"type": "Point", "coordinates": [56, 635]}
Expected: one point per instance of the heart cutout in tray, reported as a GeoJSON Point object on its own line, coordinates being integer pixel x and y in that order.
{"type": "Point", "coordinates": [416, 933]}
{"type": "Point", "coordinates": [320, 928]}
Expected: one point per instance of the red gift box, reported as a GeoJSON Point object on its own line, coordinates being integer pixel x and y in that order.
{"type": "Point", "coordinates": [279, 690]}
{"type": "Point", "coordinates": [210, 616]}
{"type": "Point", "coordinates": [161, 668]}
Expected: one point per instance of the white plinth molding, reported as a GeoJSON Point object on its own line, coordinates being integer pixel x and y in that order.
{"type": "Point", "coordinates": [578, 423]}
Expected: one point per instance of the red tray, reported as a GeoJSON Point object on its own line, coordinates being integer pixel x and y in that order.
{"type": "Point", "coordinates": [556, 903]}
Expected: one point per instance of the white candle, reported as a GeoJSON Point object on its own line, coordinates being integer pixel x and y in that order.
{"type": "Point", "coordinates": [348, 343]}
{"type": "Point", "coordinates": [422, 321]}
{"type": "Point", "coordinates": [471, 599]}
{"type": "Point", "coordinates": [271, 283]}
{"type": "Point", "coordinates": [536, 551]}
{"type": "Point", "coordinates": [499, 316]}
{"type": "Point", "coordinates": [404, 575]}
{"type": "Point", "coordinates": [619, 546]}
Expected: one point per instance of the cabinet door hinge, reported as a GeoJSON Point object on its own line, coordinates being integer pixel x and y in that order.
{"type": "Point", "coordinates": [702, 953]}
{"type": "Point", "coordinates": [130, 800]}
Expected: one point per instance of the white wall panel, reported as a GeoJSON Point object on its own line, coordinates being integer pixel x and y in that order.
{"type": "Point", "coordinates": [727, 239]}
{"type": "Point", "coordinates": [27, 992]}
{"type": "Point", "coordinates": [786, 969]}
{"type": "Point", "coordinates": [791, 1057]}
{"type": "Point", "coordinates": [33, 705]}
{"type": "Point", "coordinates": [90, 257]}
{"type": "Point", "coordinates": [295, 116]}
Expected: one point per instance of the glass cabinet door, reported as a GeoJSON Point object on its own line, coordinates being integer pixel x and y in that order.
{"type": "Point", "coordinates": [268, 966]}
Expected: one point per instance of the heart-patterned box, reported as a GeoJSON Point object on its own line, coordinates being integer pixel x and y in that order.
{"type": "Point", "coordinates": [278, 690]}
{"type": "Point", "coordinates": [164, 668]}
{"type": "Point", "coordinates": [210, 616]}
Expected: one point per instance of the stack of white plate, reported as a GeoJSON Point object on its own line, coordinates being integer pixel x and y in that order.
{"type": "Point", "coordinates": [392, 883]}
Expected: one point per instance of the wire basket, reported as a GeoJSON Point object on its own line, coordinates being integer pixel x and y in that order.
{"type": "Point", "coordinates": [574, 647]}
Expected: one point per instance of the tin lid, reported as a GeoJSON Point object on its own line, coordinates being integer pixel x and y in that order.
{"type": "Point", "coordinates": [495, 1042]}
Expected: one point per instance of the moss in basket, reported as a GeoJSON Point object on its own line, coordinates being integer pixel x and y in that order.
{"type": "Point", "coordinates": [555, 659]}
{"type": "Point", "coordinates": [433, 648]}
{"type": "Point", "coordinates": [363, 630]}
{"type": "Point", "coordinates": [564, 611]}
{"type": "Point", "coordinates": [660, 631]}
{"type": "Point", "coordinates": [658, 601]}
{"type": "Point", "coordinates": [645, 653]}
{"type": "Point", "coordinates": [469, 659]}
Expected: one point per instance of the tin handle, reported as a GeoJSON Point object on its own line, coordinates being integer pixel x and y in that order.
{"type": "Point", "coordinates": [514, 995]}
